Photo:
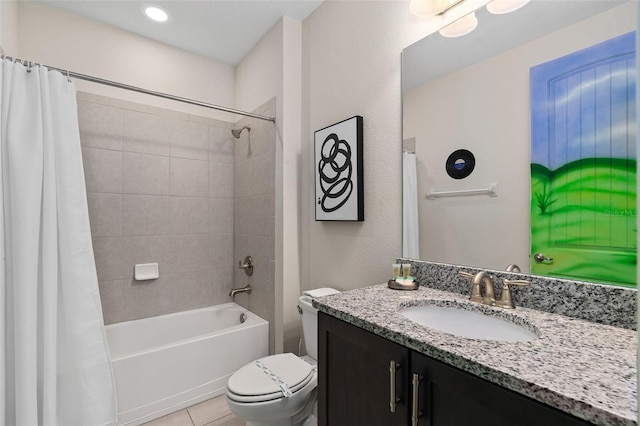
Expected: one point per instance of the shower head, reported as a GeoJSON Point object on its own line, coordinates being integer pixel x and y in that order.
{"type": "Point", "coordinates": [236, 132]}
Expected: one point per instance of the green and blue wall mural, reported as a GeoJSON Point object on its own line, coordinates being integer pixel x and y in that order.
{"type": "Point", "coordinates": [583, 164]}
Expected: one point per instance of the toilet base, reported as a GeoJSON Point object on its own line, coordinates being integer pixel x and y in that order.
{"type": "Point", "coordinates": [312, 420]}
{"type": "Point", "coordinates": [276, 423]}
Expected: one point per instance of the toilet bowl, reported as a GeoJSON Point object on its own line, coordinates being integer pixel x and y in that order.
{"type": "Point", "coordinates": [280, 390]}
{"type": "Point", "coordinates": [254, 394]}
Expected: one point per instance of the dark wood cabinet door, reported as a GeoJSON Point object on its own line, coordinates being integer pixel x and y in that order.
{"type": "Point", "coordinates": [449, 396]}
{"type": "Point", "coordinates": [354, 383]}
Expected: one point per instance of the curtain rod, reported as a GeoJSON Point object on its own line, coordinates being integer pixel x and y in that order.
{"type": "Point", "coordinates": [146, 92]}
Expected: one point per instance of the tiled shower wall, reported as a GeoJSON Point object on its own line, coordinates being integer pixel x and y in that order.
{"type": "Point", "coordinates": [160, 187]}
{"type": "Point", "coordinates": [255, 156]}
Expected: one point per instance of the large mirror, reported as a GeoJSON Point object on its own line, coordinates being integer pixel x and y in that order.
{"type": "Point", "coordinates": [473, 93]}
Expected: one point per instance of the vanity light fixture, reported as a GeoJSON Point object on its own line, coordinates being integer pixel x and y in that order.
{"type": "Point", "coordinates": [464, 25]}
{"type": "Point", "coordinates": [426, 8]}
{"type": "Point", "coordinates": [156, 14]}
{"type": "Point", "coordinates": [461, 27]}
{"type": "Point", "coordinates": [499, 7]}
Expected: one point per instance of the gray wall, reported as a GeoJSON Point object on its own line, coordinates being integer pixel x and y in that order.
{"type": "Point", "coordinates": [255, 167]}
{"type": "Point", "coordinates": [160, 187]}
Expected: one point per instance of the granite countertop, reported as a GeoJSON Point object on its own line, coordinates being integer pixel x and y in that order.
{"type": "Point", "coordinates": [579, 367]}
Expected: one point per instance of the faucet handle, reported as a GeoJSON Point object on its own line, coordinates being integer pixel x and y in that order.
{"type": "Point", "coordinates": [521, 283]}
{"type": "Point", "coordinates": [465, 275]}
{"type": "Point", "coordinates": [505, 298]}
{"type": "Point", "coordinates": [476, 294]}
{"type": "Point", "coordinates": [247, 265]}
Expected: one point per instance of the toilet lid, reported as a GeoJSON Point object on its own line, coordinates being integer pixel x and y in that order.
{"type": "Point", "coordinates": [253, 383]}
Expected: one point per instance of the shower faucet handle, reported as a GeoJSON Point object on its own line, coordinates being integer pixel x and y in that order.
{"type": "Point", "coordinates": [247, 265]}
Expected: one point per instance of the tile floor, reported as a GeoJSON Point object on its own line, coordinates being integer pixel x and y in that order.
{"type": "Point", "coordinates": [213, 412]}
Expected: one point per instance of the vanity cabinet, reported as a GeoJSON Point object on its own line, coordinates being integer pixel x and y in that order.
{"type": "Point", "coordinates": [354, 386]}
{"type": "Point", "coordinates": [359, 373]}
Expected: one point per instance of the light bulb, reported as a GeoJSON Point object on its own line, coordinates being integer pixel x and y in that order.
{"type": "Point", "coordinates": [424, 8]}
{"type": "Point", "coordinates": [500, 7]}
{"type": "Point", "coordinates": [462, 26]}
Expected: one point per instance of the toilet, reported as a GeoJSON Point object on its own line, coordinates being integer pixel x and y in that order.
{"type": "Point", "coordinates": [280, 390]}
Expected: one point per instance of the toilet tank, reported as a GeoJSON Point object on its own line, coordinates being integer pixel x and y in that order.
{"type": "Point", "coordinates": [310, 318]}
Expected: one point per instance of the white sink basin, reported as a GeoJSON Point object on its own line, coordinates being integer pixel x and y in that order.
{"type": "Point", "coordinates": [463, 323]}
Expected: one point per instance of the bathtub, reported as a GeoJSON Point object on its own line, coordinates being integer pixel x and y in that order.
{"type": "Point", "coordinates": [165, 363]}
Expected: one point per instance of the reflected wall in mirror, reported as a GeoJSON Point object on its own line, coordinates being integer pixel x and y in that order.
{"type": "Point", "coordinates": [472, 93]}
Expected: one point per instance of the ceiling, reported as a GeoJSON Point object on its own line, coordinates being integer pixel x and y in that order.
{"type": "Point", "coordinates": [224, 30]}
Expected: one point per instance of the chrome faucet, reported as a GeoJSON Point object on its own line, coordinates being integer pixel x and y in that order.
{"type": "Point", "coordinates": [245, 289]}
{"type": "Point", "coordinates": [482, 277]}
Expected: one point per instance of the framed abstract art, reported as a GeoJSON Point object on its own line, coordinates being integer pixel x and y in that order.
{"type": "Point", "coordinates": [339, 194]}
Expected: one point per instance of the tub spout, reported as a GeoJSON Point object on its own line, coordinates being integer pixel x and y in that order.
{"type": "Point", "coordinates": [234, 291]}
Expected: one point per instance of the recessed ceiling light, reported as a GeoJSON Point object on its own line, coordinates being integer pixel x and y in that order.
{"type": "Point", "coordinates": [156, 13]}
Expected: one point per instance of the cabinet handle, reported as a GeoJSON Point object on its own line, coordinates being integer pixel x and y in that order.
{"type": "Point", "coordinates": [393, 400]}
{"type": "Point", "coordinates": [415, 413]}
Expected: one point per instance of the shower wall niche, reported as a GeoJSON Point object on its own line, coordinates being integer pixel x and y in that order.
{"type": "Point", "coordinates": [162, 187]}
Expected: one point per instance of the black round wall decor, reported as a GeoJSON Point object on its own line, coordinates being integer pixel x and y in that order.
{"type": "Point", "coordinates": [460, 164]}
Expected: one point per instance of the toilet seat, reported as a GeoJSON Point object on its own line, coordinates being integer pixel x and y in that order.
{"type": "Point", "coordinates": [252, 384]}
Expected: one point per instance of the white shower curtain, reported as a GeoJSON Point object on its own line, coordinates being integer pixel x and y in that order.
{"type": "Point", "coordinates": [410, 227]}
{"type": "Point", "coordinates": [54, 361]}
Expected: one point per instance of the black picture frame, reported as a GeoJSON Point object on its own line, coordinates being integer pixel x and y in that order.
{"type": "Point", "coordinates": [339, 174]}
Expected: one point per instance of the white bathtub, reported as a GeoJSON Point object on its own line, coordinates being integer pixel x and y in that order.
{"type": "Point", "coordinates": [165, 363]}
